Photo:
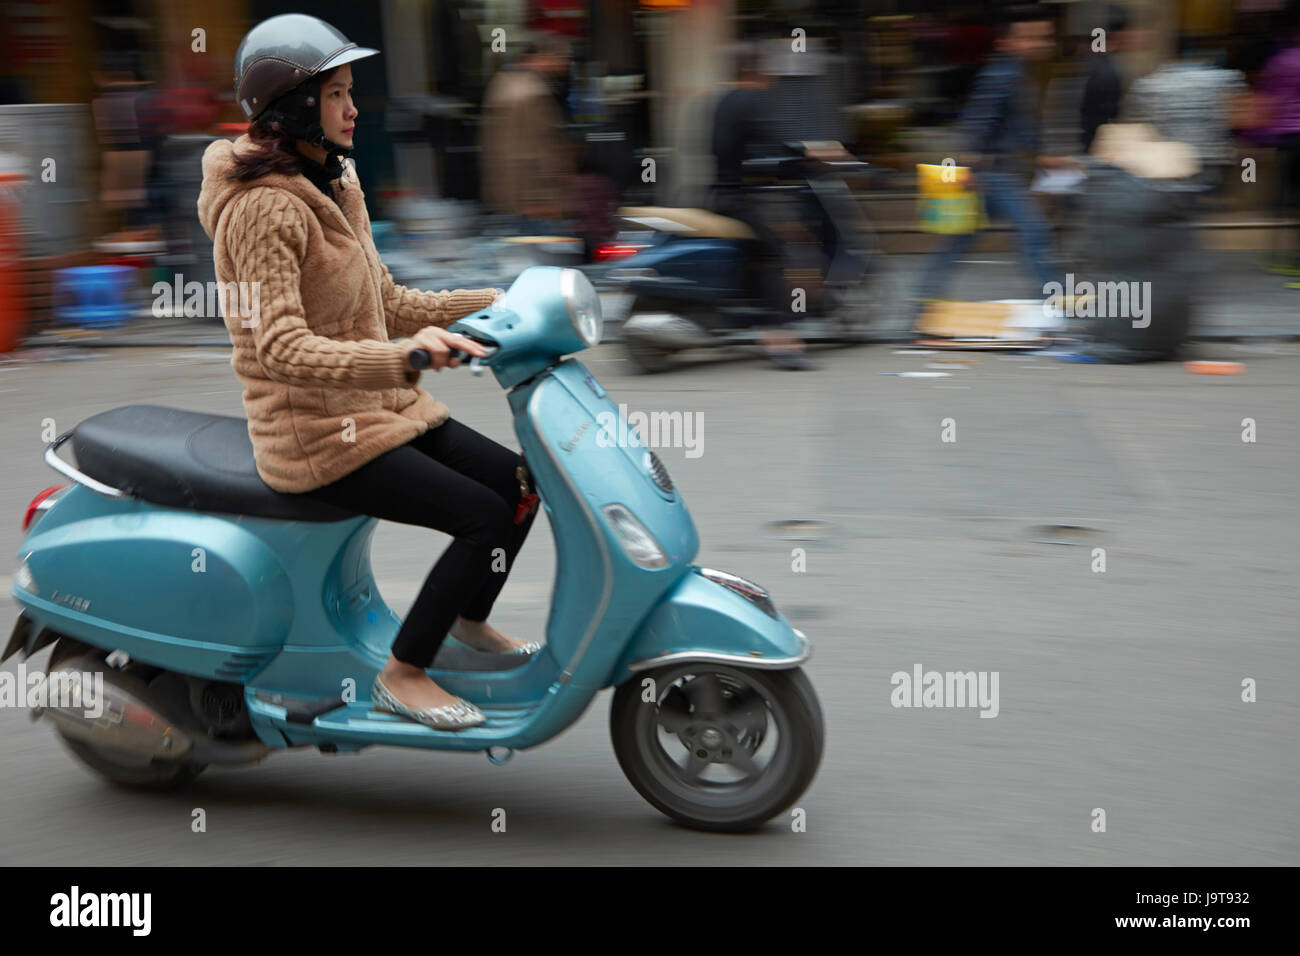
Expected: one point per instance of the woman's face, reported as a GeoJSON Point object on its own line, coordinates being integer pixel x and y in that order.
{"type": "Point", "coordinates": [338, 117]}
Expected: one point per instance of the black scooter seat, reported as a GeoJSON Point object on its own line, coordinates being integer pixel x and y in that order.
{"type": "Point", "coordinates": [186, 460]}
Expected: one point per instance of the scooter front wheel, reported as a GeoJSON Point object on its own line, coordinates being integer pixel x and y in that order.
{"type": "Point", "coordinates": [718, 747]}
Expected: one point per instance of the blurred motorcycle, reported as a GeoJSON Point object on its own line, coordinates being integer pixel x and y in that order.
{"type": "Point", "coordinates": [687, 281]}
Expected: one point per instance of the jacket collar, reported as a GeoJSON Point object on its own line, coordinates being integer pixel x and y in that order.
{"type": "Point", "coordinates": [346, 212]}
{"type": "Point", "coordinates": [321, 175]}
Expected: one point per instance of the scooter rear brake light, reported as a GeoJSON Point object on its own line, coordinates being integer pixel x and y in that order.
{"type": "Point", "coordinates": [615, 250]}
{"type": "Point", "coordinates": [43, 501]}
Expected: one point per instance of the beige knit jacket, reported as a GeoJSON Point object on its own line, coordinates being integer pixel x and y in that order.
{"type": "Point", "coordinates": [325, 388]}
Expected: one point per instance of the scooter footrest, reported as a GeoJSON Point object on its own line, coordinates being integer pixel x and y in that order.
{"type": "Point", "coordinates": [300, 710]}
{"type": "Point", "coordinates": [361, 723]}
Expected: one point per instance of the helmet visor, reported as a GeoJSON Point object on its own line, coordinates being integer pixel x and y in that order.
{"type": "Point", "coordinates": [346, 55]}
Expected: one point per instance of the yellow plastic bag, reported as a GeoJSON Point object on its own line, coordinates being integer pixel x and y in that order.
{"type": "Point", "coordinates": [948, 203]}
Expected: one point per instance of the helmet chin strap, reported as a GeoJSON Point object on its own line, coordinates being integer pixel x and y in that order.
{"type": "Point", "coordinates": [316, 136]}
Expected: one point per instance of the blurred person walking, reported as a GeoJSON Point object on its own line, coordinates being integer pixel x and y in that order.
{"type": "Point", "coordinates": [1103, 91]}
{"type": "Point", "coordinates": [1001, 131]}
{"type": "Point", "coordinates": [527, 162]}
{"type": "Point", "coordinates": [1193, 100]}
{"type": "Point", "coordinates": [119, 112]}
{"type": "Point", "coordinates": [1279, 84]}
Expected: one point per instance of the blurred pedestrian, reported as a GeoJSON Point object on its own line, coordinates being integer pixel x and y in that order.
{"type": "Point", "coordinates": [1279, 84]}
{"type": "Point", "coordinates": [1193, 100]}
{"type": "Point", "coordinates": [125, 152]}
{"type": "Point", "coordinates": [1001, 131]}
{"type": "Point", "coordinates": [527, 162]}
{"type": "Point", "coordinates": [1103, 90]}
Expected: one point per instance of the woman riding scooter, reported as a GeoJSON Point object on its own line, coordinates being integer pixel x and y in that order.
{"type": "Point", "coordinates": [334, 410]}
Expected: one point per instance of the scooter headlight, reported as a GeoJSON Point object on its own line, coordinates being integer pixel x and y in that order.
{"type": "Point", "coordinates": [637, 542]}
{"type": "Point", "coordinates": [583, 304]}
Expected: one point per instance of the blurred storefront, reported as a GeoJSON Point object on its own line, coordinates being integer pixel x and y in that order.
{"type": "Point", "coordinates": [604, 97]}
{"type": "Point", "coordinates": [644, 78]}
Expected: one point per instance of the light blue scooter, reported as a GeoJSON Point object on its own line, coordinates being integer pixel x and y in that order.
{"type": "Point", "coordinates": [228, 620]}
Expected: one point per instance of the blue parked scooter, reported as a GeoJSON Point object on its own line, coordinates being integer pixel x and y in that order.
{"type": "Point", "coordinates": [228, 620]}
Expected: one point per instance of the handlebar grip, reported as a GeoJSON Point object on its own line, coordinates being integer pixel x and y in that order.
{"type": "Point", "coordinates": [423, 358]}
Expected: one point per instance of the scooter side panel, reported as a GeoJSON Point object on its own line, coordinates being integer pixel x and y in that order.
{"type": "Point", "coordinates": [702, 620]}
{"type": "Point", "coordinates": [197, 593]}
{"type": "Point", "coordinates": [707, 270]}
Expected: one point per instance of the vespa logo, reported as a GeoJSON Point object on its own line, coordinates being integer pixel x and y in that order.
{"type": "Point", "coordinates": [71, 600]}
{"type": "Point", "coordinates": [572, 443]}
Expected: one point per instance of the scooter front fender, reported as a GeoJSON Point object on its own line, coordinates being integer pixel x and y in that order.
{"type": "Point", "coordinates": [700, 620]}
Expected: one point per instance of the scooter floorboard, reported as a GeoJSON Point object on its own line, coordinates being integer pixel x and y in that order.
{"type": "Point", "coordinates": [360, 724]}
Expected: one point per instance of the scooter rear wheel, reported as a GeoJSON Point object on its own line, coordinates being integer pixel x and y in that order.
{"type": "Point", "coordinates": [648, 359]}
{"type": "Point", "coordinates": [718, 747]}
{"type": "Point", "coordinates": [119, 767]}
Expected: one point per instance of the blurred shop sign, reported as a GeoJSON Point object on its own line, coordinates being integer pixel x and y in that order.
{"type": "Point", "coordinates": [568, 17]}
{"type": "Point", "coordinates": [36, 35]}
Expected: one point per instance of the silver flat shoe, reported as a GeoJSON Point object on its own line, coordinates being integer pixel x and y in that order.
{"type": "Point", "coordinates": [457, 716]}
{"type": "Point", "coordinates": [528, 648]}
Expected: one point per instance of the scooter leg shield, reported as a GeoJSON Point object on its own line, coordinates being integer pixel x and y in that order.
{"type": "Point", "coordinates": [700, 619]}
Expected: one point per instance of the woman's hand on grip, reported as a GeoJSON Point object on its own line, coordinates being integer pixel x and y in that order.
{"type": "Point", "coordinates": [439, 343]}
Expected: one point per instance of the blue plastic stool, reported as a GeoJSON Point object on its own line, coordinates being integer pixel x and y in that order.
{"type": "Point", "coordinates": [93, 296]}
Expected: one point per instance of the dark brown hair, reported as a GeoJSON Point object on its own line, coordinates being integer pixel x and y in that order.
{"type": "Point", "coordinates": [274, 152]}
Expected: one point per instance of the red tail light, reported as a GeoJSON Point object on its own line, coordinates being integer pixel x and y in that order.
{"type": "Point", "coordinates": [35, 506]}
{"type": "Point", "coordinates": [615, 250]}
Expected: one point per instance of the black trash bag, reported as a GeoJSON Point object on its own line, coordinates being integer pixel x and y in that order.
{"type": "Point", "coordinates": [1140, 245]}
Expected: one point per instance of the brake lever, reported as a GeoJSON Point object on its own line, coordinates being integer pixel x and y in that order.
{"type": "Point", "coordinates": [476, 365]}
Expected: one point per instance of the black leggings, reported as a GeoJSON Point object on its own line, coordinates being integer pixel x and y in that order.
{"type": "Point", "coordinates": [455, 480]}
{"type": "Point", "coordinates": [764, 263]}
